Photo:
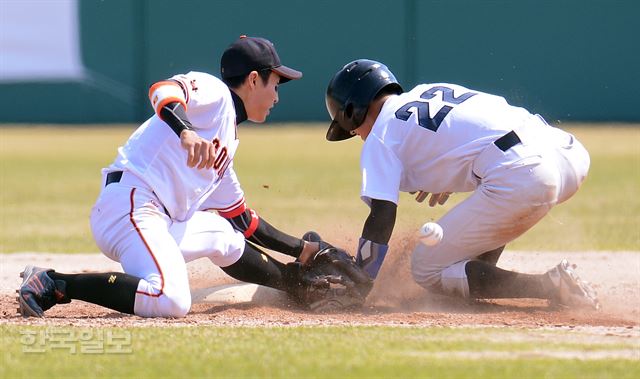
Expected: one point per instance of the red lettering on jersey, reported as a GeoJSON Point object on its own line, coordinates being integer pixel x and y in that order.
{"type": "Point", "coordinates": [220, 158]}
{"type": "Point", "coordinates": [224, 167]}
{"type": "Point", "coordinates": [216, 144]}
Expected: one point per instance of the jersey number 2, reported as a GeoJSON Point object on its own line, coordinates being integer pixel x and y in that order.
{"type": "Point", "coordinates": [422, 107]}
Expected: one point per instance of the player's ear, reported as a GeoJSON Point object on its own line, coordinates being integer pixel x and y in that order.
{"type": "Point", "coordinates": [252, 79]}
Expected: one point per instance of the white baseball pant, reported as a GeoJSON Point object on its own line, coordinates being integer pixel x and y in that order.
{"type": "Point", "coordinates": [130, 226]}
{"type": "Point", "coordinates": [516, 189]}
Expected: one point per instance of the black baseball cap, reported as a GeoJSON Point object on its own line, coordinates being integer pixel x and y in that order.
{"type": "Point", "coordinates": [254, 54]}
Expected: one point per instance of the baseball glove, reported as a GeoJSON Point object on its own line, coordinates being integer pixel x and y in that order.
{"type": "Point", "coordinates": [332, 281]}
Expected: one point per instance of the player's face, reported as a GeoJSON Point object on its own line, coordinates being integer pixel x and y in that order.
{"type": "Point", "coordinates": [263, 97]}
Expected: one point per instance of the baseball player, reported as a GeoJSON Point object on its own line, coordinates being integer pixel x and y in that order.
{"type": "Point", "coordinates": [172, 196]}
{"type": "Point", "coordinates": [444, 138]}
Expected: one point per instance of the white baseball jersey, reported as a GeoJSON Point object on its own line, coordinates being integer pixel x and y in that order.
{"type": "Point", "coordinates": [443, 138]}
{"type": "Point", "coordinates": [154, 154]}
{"type": "Point", "coordinates": [152, 220]}
{"type": "Point", "coordinates": [427, 139]}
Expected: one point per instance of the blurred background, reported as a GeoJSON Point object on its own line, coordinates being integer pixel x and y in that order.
{"type": "Point", "coordinates": [91, 61]}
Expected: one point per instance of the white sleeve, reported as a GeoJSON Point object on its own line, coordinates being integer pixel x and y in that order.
{"type": "Point", "coordinates": [188, 85]}
{"type": "Point", "coordinates": [381, 172]}
{"type": "Point", "coordinates": [205, 98]}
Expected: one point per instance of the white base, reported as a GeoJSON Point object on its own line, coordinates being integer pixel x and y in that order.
{"type": "Point", "coordinates": [238, 294]}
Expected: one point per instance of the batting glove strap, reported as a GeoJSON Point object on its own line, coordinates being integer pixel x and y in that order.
{"type": "Point", "coordinates": [370, 256]}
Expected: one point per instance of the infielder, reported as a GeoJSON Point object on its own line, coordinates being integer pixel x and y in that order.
{"type": "Point", "coordinates": [444, 138]}
{"type": "Point", "coordinates": [172, 196]}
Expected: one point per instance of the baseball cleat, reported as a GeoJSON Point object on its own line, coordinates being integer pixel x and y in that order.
{"type": "Point", "coordinates": [569, 290]}
{"type": "Point", "coordinates": [38, 292]}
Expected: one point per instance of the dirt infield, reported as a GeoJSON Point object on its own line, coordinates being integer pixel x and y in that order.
{"type": "Point", "coordinates": [395, 299]}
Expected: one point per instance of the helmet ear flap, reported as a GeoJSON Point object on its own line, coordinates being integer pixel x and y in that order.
{"type": "Point", "coordinates": [348, 111]}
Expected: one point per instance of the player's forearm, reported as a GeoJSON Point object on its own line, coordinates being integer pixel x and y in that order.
{"type": "Point", "coordinates": [259, 231]}
{"type": "Point", "coordinates": [379, 225]}
{"type": "Point", "coordinates": [174, 115]}
{"type": "Point", "coordinates": [373, 245]}
{"type": "Point", "coordinates": [268, 236]}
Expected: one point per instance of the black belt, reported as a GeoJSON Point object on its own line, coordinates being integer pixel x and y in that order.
{"type": "Point", "coordinates": [113, 177]}
{"type": "Point", "coordinates": [507, 141]}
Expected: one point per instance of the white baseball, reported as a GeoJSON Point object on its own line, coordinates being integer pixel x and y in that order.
{"type": "Point", "coordinates": [430, 234]}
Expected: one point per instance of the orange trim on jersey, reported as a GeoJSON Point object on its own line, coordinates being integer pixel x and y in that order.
{"type": "Point", "coordinates": [135, 226]}
{"type": "Point", "coordinates": [161, 83]}
{"type": "Point", "coordinates": [255, 221]}
{"type": "Point", "coordinates": [153, 95]}
{"type": "Point", "coordinates": [235, 210]}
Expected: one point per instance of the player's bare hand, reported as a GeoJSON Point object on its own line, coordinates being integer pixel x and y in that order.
{"type": "Point", "coordinates": [201, 153]}
{"type": "Point", "coordinates": [436, 198]}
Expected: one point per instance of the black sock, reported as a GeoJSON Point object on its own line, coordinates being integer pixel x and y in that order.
{"type": "Point", "coordinates": [491, 256]}
{"type": "Point", "coordinates": [254, 266]}
{"type": "Point", "coordinates": [113, 290]}
{"type": "Point", "coordinates": [487, 281]}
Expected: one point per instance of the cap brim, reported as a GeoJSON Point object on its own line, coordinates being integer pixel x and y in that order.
{"type": "Point", "coordinates": [286, 73]}
{"type": "Point", "coordinates": [336, 133]}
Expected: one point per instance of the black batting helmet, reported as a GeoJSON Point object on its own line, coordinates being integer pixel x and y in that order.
{"type": "Point", "coordinates": [350, 92]}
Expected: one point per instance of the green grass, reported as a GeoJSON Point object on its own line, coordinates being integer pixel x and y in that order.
{"type": "Point", "coordinates": [50, 177]}
{"type": "Point", "coordinates": [321, 352]}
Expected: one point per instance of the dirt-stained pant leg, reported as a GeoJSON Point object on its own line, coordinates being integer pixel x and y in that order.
{"type": "Point", "coordinates": [130, 227]}
{"type": "Point", "coordinates": [512, 198]}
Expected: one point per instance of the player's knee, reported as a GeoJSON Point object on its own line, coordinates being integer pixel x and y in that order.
{"type": "Point", "coordinates": [228, 250]}
{"type": "Point", "coordinates": [424, 274]}
{"type": "Point", "coordinates": [171, 299]}
{"type": "Point", "coordinates": [180, 307]}
{"type": "Point", "coordinates": [451, 280]}
{"type": "Point", "coordinates": [431, 283]}
{"type": "Point", "coordinates": [177, 305]}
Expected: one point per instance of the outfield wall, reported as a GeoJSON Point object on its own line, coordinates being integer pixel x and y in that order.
{"type": "Point", "coordinates": [569, 60]}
